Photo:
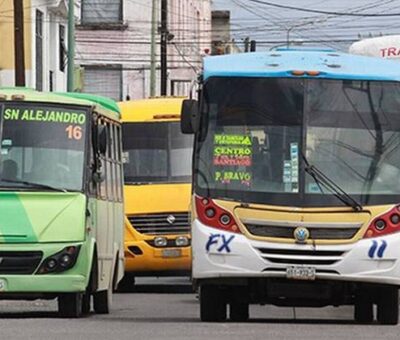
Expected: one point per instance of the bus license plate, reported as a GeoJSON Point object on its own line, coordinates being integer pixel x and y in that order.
{"type": "Point", "coordinates": [300, 273]}
{"type": "Point", "coordinates": [171, 253]}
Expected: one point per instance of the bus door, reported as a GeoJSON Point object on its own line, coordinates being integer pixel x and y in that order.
{"type": "Point", "coordinates": [105, 212]}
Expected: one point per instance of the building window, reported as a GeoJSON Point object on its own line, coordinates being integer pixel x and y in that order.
{"type": "Point", "coordinates": [101, 12]}
{"type": "Point", "coordinates": [180, 87]}
{"type": "Point", "coordinates": [39, 50]}
{"type": "Point", "coordinates": [104, 81]}
{"type": "Point", "coordinates": [51, 81]}
{"type": "Point", "coordinates": [62, 48]}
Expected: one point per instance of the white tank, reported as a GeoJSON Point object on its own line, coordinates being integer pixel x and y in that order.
{"type": "Point", "coordinates": [385, 47]}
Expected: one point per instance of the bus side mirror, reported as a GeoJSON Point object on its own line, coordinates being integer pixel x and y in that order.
{"type": "Point", "coordinates": [190, 117]}
{"type": "Point", "coordinates": [98, 176]}
{"type": "Point", "coordinates": [102, 139]}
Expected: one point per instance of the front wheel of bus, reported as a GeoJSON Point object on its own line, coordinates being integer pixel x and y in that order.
{"type": "Point", "coordinates": [70, 305]}
{"type": "Point", "coordinates": [86, 303]}
{"type": "Point", "coordinates": [388, 306]}
{"type": "Point", "coordinates": [239, 311]}
{"type": "Point", "coordinates": [363, 308]}
{"type": "Point", "coordinates": [102, 301]}
{"type": "Point", "coordinates": [212, 304]}
{"type": "Point", "coordinates": [127, 284]}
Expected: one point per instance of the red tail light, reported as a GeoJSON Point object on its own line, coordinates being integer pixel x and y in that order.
{"type": "Point", "coordinates": [214, 216]}
{"type": "Point", "coordinates": [384, 224]}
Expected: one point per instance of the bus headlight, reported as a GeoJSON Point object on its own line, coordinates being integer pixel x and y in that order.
{"type": "Point", "coordinates": [61, 261]}
{"type": "Point", "coordinates": [65, 260]}
{"type": "Point", "coordinates": [160, 241]}
{"type": "Point", "coordinates": [51, 264]}
{"type": "Point", "coordinates": [182, 241]}
{"type": "Point", "coordinates": [384, 224]}
{"type": "Point", "coordinates": [395, 218]}
{"type": "Point", "coordinates": [213, 215]}
{"type": "Point", "coordinates": [380, 225]}
{"type": "Point", "coordinates": [225, 219]}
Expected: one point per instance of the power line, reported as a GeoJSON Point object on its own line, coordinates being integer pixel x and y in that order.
{"type": "Point", "coordinates": [309, 10]}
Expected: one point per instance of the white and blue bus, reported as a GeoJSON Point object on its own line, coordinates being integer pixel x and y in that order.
{"type": "Point", "coordinates": [296, 186]}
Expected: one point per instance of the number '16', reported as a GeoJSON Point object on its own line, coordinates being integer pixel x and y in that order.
{"type": "Point", "coordinates": [74, 132]}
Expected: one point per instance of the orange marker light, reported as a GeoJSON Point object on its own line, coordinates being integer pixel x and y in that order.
{"type": "Point", "coordinates": [298, 73]}
{"type": "Point", "coordinates": [313, 73]}
{"type": "Point", "coordinates": [17, 97]}
{"type": "Point", "coordinates": [166, 116]}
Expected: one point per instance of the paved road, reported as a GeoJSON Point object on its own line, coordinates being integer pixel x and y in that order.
{"type": "Point", "coordinates": [165, 310]}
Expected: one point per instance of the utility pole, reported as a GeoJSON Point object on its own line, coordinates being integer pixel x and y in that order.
{"type": "Point", "coordinates": [153, 50]}
{"type": "Point", "coordinates": [19, 51]}
{"type": "Point", "coordinates": [253, 46]}
{"type": "Point", "coordinates": [164, 40]}
{"type": "Point", "coordinates": [71, 46]}
{"type": "Point", "coordinates": [246, 44]}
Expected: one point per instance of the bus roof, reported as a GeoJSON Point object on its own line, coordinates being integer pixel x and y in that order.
{"type": "Point", "coordinates": [152, 109]}
{"type": "Point", "coordinates": [329, 64]}
{"type": "Point", "coordinates": [101, 104]}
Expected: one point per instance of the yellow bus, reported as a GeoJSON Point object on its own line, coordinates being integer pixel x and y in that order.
{"type": "Point", "coordinates": [157, 166]}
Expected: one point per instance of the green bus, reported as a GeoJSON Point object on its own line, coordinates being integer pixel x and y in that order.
{"type": "Point", "coordinates": [61, 199]}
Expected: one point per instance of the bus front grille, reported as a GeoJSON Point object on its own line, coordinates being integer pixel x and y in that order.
{"type": "Point", "coordinates": [316, 233]}
{"type": "Point", "coordinates": [161, 223]}
{"type": "Point", "coordinates": [19, 262]}
{"type": "Point", "coordinates": [301, 257]}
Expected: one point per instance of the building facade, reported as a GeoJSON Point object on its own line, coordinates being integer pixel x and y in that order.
{"type": "Point", "coordinates": [45, 41]}
{"type": "Point", "coordinates": [113, 45]}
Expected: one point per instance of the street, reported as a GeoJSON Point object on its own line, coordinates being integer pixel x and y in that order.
{"type": "Point", "coordinates": [164, 309]}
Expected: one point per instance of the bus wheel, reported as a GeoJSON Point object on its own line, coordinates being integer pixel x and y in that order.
{"type": "Point", "coordinates": [86, 303]}
{"type": "Point", "coordinates": [102, 301]}
{"type": "Point", "coordinates": [363, 308]}
{"type": "Point", "coordinates": [388, 306]}
{"type": "Point", "coordinates": [70, 305]}
{"type": "Point", "coordinates": [239, 311]}
{"type": "Point", "coordinates": [212, 304]}
{"type": "Point", "coordinates": [127, 284]}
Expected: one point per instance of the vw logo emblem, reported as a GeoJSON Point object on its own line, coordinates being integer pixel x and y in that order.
{"type": "Point", "coordinates": [171, 219]}
{"type": "Point", "coordinates": [301, 234]}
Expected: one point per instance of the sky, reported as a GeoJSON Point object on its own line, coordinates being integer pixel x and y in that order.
{"type": "Point", "coordinates": [271, 26]}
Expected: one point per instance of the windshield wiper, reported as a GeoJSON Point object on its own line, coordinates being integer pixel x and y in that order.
{"type": "Point", "coordinates": [320, 178]}
{"type": "Point", "coordinates": [36, 185]}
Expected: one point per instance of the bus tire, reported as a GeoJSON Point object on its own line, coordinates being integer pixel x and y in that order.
{"type": "Point", "coordinates": [91, 287]}
{"type": "Point", "coordinates": [388, 306]}
{"type": "Point", "coordinates": [212, 304]}
{"type": "Point", "coordinates": [102, 301]}
{"type": "Point", "coordinates": [127, 284]}
{"type": "Point", "coordinates": [363, 308]}
{"type": "Point", "coordinates": [86, 303]}
{"type": "Point", "coordinates": [239, 311]}
{"type": "Point", "coordinates": [70, 305]}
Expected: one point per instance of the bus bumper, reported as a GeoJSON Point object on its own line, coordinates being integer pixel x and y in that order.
{"type": "Point", "coordinates": [74, 279]}
{"type": "Point", "coordinates": [41, 284]}
{"type": "Point", "coordinates": [218, 254]}
{"type": "Point", "coordinates": [141, 259]}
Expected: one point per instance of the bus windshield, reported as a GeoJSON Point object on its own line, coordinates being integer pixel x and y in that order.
{"type": "Point", "coordinates": [42, 146]}
{"type": "Point", "coordinates": [156, 153]}
{"type": "Point", "coordinates": [259, 134]}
